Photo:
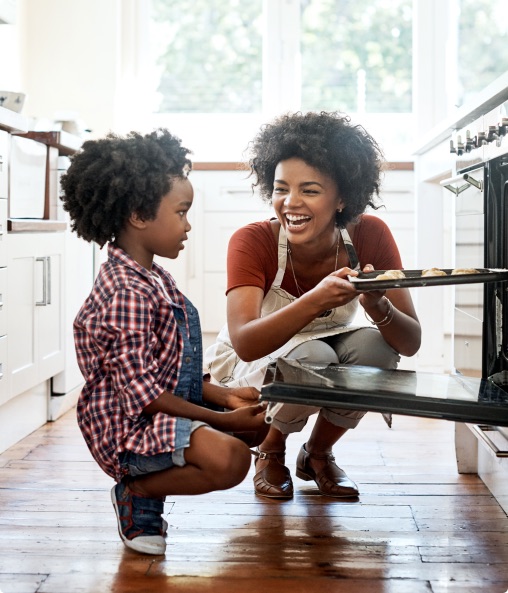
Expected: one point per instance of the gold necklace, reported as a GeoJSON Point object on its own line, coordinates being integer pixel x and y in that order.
{"type": "Point", "coordinates": [300, 291]}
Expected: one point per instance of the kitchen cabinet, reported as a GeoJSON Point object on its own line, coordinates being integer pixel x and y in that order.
{"type": "Point", "coordinates": [226, 202]}
{"type": "Point", "coordinates": [35, 320]}
{"type": "Point", "coordinates": [4, 163]}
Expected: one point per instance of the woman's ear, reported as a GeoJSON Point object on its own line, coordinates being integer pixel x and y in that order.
{"type": "Point", "coordinates": [340, 205]}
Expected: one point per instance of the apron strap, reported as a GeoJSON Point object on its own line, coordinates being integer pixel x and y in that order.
{"type": "Point", "coordinates": [351, 251]}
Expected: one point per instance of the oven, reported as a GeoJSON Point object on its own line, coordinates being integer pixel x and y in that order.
{"type": "Point", "coordinates": [481, 240]}
{"type": "Point", "coordinates": [480, 190]}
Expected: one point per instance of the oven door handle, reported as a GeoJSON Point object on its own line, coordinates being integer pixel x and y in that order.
{"type": "Point", "coordinates": [481, 431]}
{"type": "Point", "coordinates": [470, 181]}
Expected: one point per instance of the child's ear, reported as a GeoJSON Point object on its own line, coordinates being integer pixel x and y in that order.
{"type": "Point", "coordinates": [137, 221]}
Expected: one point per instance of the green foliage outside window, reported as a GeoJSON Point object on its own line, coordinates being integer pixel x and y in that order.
{"type": "Point", "coordinates": [210, 55]}
{"type": "Point", "coordinates": [356, 55]}
{"type": "Point", "coordinates": [482, 45]}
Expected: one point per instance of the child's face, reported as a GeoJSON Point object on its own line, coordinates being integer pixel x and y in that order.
{"type": "Point", "coordinates": [167, 232]}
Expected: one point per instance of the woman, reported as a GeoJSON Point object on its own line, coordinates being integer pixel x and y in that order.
{"type": "Point", "coordinates": [288, 292]}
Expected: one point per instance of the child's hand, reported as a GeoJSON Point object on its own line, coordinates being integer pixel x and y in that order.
{"type": "Point", "coordinates": [239, 397]}
{"type": "Point", "coordinates": [246, 418]}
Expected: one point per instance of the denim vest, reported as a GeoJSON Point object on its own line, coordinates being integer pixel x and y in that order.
{"type": "Point", "coordinates": [190, 381]}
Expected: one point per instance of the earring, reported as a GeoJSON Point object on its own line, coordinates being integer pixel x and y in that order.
{"type": "Point", "coordinates": [339, 210]}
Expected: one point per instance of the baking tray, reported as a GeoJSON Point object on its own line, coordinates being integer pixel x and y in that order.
{"type": "Point", "coordinates": [366, 281]}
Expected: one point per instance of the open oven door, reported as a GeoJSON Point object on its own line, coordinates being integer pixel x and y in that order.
{"type": "Point", "coordinates": [450, 397]}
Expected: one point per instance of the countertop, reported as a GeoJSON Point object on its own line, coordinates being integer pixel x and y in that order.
{"type": "Point", "coordinates": [491, 97]}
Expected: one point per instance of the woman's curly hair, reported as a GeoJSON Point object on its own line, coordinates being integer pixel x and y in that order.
{"type": "Point", "coordinates": [330, 143]}
{"type": "Point", "coordinates": [111, 178]}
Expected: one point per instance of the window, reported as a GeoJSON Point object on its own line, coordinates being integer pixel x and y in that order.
{"type": "Point", "coordinates": [218, 69]}
{"type": "Point", "coordinates": [363, 49]}
{"type": "Point", "coordinates": [208, 55]}
{"type": "Point", "coordinates": [221, 68]}
{"type": "Point", "coordinates": [482, 51]}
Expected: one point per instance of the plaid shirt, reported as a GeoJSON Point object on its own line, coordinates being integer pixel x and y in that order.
{"type": "Point", "coordinates": [129, 349]}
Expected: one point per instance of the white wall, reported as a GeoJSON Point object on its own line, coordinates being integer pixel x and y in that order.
{"type": "Point", "coordinates": [66, 55]}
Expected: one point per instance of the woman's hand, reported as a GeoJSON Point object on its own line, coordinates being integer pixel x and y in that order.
{"type": "Point", "coordinates": [239, 397]}
{"type": "Point", "coordinates": [393, 313]}
{"type": "Point", "coordinates": [369, 300]}
{"type": "Point", "coordinates": [334, 290]}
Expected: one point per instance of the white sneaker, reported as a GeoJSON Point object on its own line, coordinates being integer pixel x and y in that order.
{"type": "Point", "coordinates": [126, 505]}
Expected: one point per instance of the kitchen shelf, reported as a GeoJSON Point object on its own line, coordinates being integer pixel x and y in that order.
{"type": "Point", "coordinates": [35, 225]}
{"type": "Point", "coordinates": [66, 143]}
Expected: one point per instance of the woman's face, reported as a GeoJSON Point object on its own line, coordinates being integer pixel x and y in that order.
{"type": "Point", "coordinates": [305, 201]}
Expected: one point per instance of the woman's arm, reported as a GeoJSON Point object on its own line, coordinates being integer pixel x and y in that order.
{"type": "Point", "coordinates": [398, 322]}
{"type": "Point", "coordinates": [254, 336]}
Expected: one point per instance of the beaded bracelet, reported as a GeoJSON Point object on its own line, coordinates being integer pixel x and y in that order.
{"type": "Point", "coordinates": [387, 319]}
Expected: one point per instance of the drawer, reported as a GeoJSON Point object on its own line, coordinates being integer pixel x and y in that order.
{"type": "Point", "coordinates": [228, 191]}
{"type": "Point", "coordinates": [4, 391]}
{"type": "Point", "coordinates": [467, 344]}
{"type": "Point", "coordinates": [493, 461]}
{"type": "Point", "coordinates": [3, 232]}
{"type": "Point", "coordinates": [3, 294]}
{"type": "Point", "coordinates": [218, 229]}
{"type": "Point", "coordinates": [4, 163]}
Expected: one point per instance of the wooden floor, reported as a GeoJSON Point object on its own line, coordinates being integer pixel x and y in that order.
{"type": "Point", "coordinates": [418, 527]}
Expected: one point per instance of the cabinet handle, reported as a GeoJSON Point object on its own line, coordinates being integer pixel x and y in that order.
{"type": "Point", "coordinates": [46, 281]}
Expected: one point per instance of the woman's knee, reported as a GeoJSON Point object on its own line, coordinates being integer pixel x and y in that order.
{"type": "Point", "coordinates": [366, 346]}
{"type": "Point", "coordinates": [313, 351]}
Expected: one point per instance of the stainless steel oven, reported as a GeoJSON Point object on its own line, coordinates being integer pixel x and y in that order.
{"type": "Point", "coordinates": [481, 240]}
{"type": "Point", "coordinates": [480, 187]}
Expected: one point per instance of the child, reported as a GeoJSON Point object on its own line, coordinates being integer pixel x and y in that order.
{"type": "Point", "coordinates": [142, 409]}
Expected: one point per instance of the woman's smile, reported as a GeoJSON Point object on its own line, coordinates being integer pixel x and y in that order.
{"type": "Point", "coordinates": [297, 221]}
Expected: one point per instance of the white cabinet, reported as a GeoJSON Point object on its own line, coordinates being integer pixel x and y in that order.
{"type": "Point", "coordinates": [4, 163]}
{"type": "Point", "coordinates": [34, 302]}
{"type": "Point", "coordinates": [224, 201]}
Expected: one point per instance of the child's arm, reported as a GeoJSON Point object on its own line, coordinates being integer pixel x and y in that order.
{"type": "Point", "coordinates": [230, 397]}
{"type": "Point", "coordinates": [247, 418]}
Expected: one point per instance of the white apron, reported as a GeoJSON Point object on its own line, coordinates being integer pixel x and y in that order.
{"type": "Point", "coordinates": [224, 365]}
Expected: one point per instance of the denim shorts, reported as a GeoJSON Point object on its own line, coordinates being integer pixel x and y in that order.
{"type": "Point", "coordinates": [134, 464]}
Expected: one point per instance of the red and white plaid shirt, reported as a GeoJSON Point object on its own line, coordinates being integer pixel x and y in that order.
{"type": "Point", "coordinates": [129, 350]}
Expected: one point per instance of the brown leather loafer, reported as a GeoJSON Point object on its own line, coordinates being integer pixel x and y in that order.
{"type": "Point", "coordinates": [274, 480]}
{"type": "Point", "coordinates": [331, 480]}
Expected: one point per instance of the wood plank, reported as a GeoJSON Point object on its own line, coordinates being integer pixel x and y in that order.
{"type": "Point", "coordinates": [412, 530]}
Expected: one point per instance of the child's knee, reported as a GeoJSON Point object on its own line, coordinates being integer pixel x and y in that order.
{"type": "Point", "coordinates": [233, 464]}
